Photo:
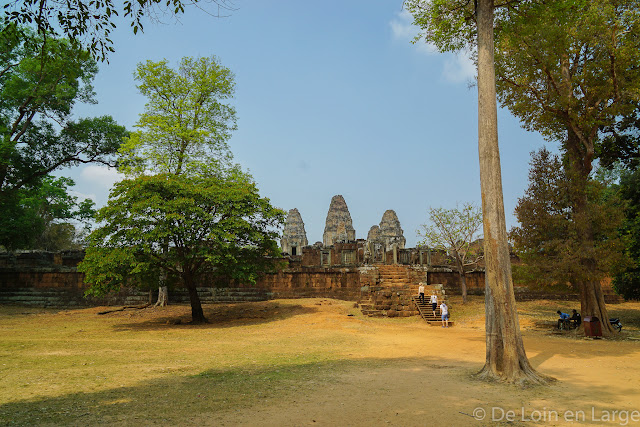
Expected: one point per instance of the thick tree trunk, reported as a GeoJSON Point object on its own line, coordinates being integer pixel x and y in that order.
{"type": "Point", "coordinates": [506, 359]}
{"type": "Point", "coordinates": [197, 315]}
{"type": "Point", "coordinates": [591, 296]}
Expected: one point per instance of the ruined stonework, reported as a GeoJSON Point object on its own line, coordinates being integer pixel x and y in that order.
{"type": "Point", "coordinates": [338, 227]}
{"type": "Point", "coordinates": [390, 232]}
{"type": "Point", "coordinates": [388, 236]}
{"type": "Point", "coordinates": [294, 236]}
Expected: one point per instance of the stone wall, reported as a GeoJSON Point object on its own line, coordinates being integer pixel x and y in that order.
{"type": "Point", "coordinates": [340, 283]}
{"type": "Point", "coordinates": [51, 279]}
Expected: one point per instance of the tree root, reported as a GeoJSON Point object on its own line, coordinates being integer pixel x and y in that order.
{"type": "Point", "coordinates": [525, 377]}
{"type": "Point", "coordinates": [138, 307]}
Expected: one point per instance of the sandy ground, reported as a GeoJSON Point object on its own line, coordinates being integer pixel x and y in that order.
{"type": "Point", "coordinates": [412, 374]}
{"type": "Point", "coordinates": [426, 379]}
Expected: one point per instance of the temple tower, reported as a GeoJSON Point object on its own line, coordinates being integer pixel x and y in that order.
{"type": "Point", "coordinates": [338, 226]}
{"type": "Point", "coordinates": [294, 236]}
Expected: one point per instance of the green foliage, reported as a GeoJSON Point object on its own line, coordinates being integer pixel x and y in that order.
{"type": "Point", "coordinates": [186, 123]}
{"type": "Point", "coordinates": [447, 24]}
{"type": "Point", "coordinates": [89, 23]}
{"type": "Point", "coordinates": [42, 79]}
{"type": "Point", "coordinates": [453, 230]}
{"type": "Point", "coordinates": [547, 239]}
{"type": "Point", "coordinates": [34, 217]}
{"type": "Point", "coordinates": [621, 143]}
{"type": "Point", "coordinates": [569, 64]}
{"type": "Point", "coordinates": [186, 226]}
{"type": "Point", "coordinates": [627, 282]}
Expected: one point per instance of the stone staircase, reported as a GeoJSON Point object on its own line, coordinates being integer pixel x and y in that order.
{"type": "Point", "coordinates": [427, 313]}
{"type": "Point", "coordinates": [391, 296]}
{"type": "Point", "coordinates": [393, 275]}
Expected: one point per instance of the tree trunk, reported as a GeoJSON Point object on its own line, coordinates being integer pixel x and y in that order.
{"type": "Point", "coordinates": [591, 295]}
{"type": "Point", "coordinates": [506, 359]}
{"type": "Point", "coordinates": [163, 296]}
{"type": "Point", "coordinates": [463, 281]}
{"type": "Point", "coordinates": [197, 315]}
{"type": "Point", "coordinates": [163, 292]}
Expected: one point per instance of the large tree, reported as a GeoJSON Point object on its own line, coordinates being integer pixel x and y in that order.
{"type": "Point", "coordinates": [185, 125]}
{"type": "Point", "coordinates": [211, 225]}
{"type": "Point", "coordinates": [89, 23]}
{"type": "Point", "coordinates": [452, 25]}
{"type": "Point", "coordinates": [568, 69]}
{"type": "Point", "coordinates": [547, 238]}
{"type": "Point", "coordinates": [454, 230]}
{"type": "Point", "coordinates": [41, 79]}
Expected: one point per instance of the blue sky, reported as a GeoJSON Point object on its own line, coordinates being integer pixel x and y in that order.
{"type": "Point", "coordinates": [332, 98]}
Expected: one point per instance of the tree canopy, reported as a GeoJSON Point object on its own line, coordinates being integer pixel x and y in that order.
{"type": "Point", "coordinates": [547, 239]}
{"type": "Point", "coordinates": [186, 122]}
{"type": "Point", "coordinates": [41, 79]}
{"type": "Point", "coordinates": [213, 225]}
{"type": "Point", "coordinates": [454, 230]}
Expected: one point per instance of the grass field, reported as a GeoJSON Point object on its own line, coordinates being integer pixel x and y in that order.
{"type": "Point", "coordinates": [73, 367]}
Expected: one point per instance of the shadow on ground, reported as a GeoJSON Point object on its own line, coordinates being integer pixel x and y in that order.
{"type": "Point", "coordinates": [184, 400]}
{"type": "Point", "coordinates": [217, 315]}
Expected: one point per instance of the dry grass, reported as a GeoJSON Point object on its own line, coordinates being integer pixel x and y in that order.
{"type": "Point", "coordinates": [78, 367]}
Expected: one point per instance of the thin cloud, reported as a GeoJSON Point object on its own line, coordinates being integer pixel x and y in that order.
{"type": "Point", "coordinates": [100, 176]}
{"type": "Point", "coordinates": [402, 29]}
{"type": "Point", "coordinates": [458, 68]}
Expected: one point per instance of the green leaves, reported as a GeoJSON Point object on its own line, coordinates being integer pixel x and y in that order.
{"type": "Point", "coordinates": [452, 230]}
{"type": "Point", "coordinates": [217, 225]}
{"type": "Point", "coordinates": [548, 240]}
{"type": "Point", "coordinates": [186, 125]}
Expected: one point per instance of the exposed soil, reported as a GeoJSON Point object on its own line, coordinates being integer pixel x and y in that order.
{"type": "Point", "coordinates": [424, 374]}
{"type": "Point", "coordinates": [404, 372]}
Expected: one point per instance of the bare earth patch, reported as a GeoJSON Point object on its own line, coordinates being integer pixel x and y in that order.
{"type": "Point", "coordinates": [303, 362]}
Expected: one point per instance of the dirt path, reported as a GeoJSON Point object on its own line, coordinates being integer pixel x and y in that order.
{"type": "Point", "coordinates": [424, 378]}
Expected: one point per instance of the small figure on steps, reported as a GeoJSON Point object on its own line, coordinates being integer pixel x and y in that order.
{"type": "Point", "coordinates": [434, 303]}
{"type": "Point", "coordinates": [444, 310]}
{"type": "Point", "coordinates": [421, 292]}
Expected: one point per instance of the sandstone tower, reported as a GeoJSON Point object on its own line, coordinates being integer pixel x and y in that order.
{"type": "Point", "coordinates": [384, 237]}
{"type": "Point", "coordinates": [390, 231]}
{"type": "Point", "coordinates": [338, 226]}
{"type": "Point", "coordinates": [294, 237]}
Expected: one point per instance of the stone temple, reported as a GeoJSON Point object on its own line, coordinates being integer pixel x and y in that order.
{"type": "Point", "coordinates": [338, 226]}
{"type": "Point", "coordinates": [294, 237]}
{"type": "Point", "coordinates": [384, 237]}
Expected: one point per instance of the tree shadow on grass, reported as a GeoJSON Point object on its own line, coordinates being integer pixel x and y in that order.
{"type": "Point", "coordinates": [183, 400]}
{"type": "Point", "coordinates": [217, 315]}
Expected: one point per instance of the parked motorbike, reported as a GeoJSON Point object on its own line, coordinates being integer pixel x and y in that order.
{"type": "Point", "coordinates": [615, 322]}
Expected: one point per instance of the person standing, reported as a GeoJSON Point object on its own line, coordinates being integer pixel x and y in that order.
{"type": "Point", "coordinates": [444, 311]}
{"type": "Point", "coordinates": [421, 292]}
{"type": "Point", "coordinates": [434, 303]}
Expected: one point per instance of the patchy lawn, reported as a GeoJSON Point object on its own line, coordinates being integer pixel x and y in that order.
{"type": "Point", "coordinates": [298, 362]}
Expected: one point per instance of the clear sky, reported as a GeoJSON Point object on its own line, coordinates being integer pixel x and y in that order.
{"type": "Point", "coordinates": [332, 98]}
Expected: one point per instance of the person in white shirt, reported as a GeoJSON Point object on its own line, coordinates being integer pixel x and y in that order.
{"type": "Point", "coordinates": [421, 292]}
{"type": "Point", "coordinates": [434, 303]}
{"type": "Point", "coordinates": [444, 310]}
